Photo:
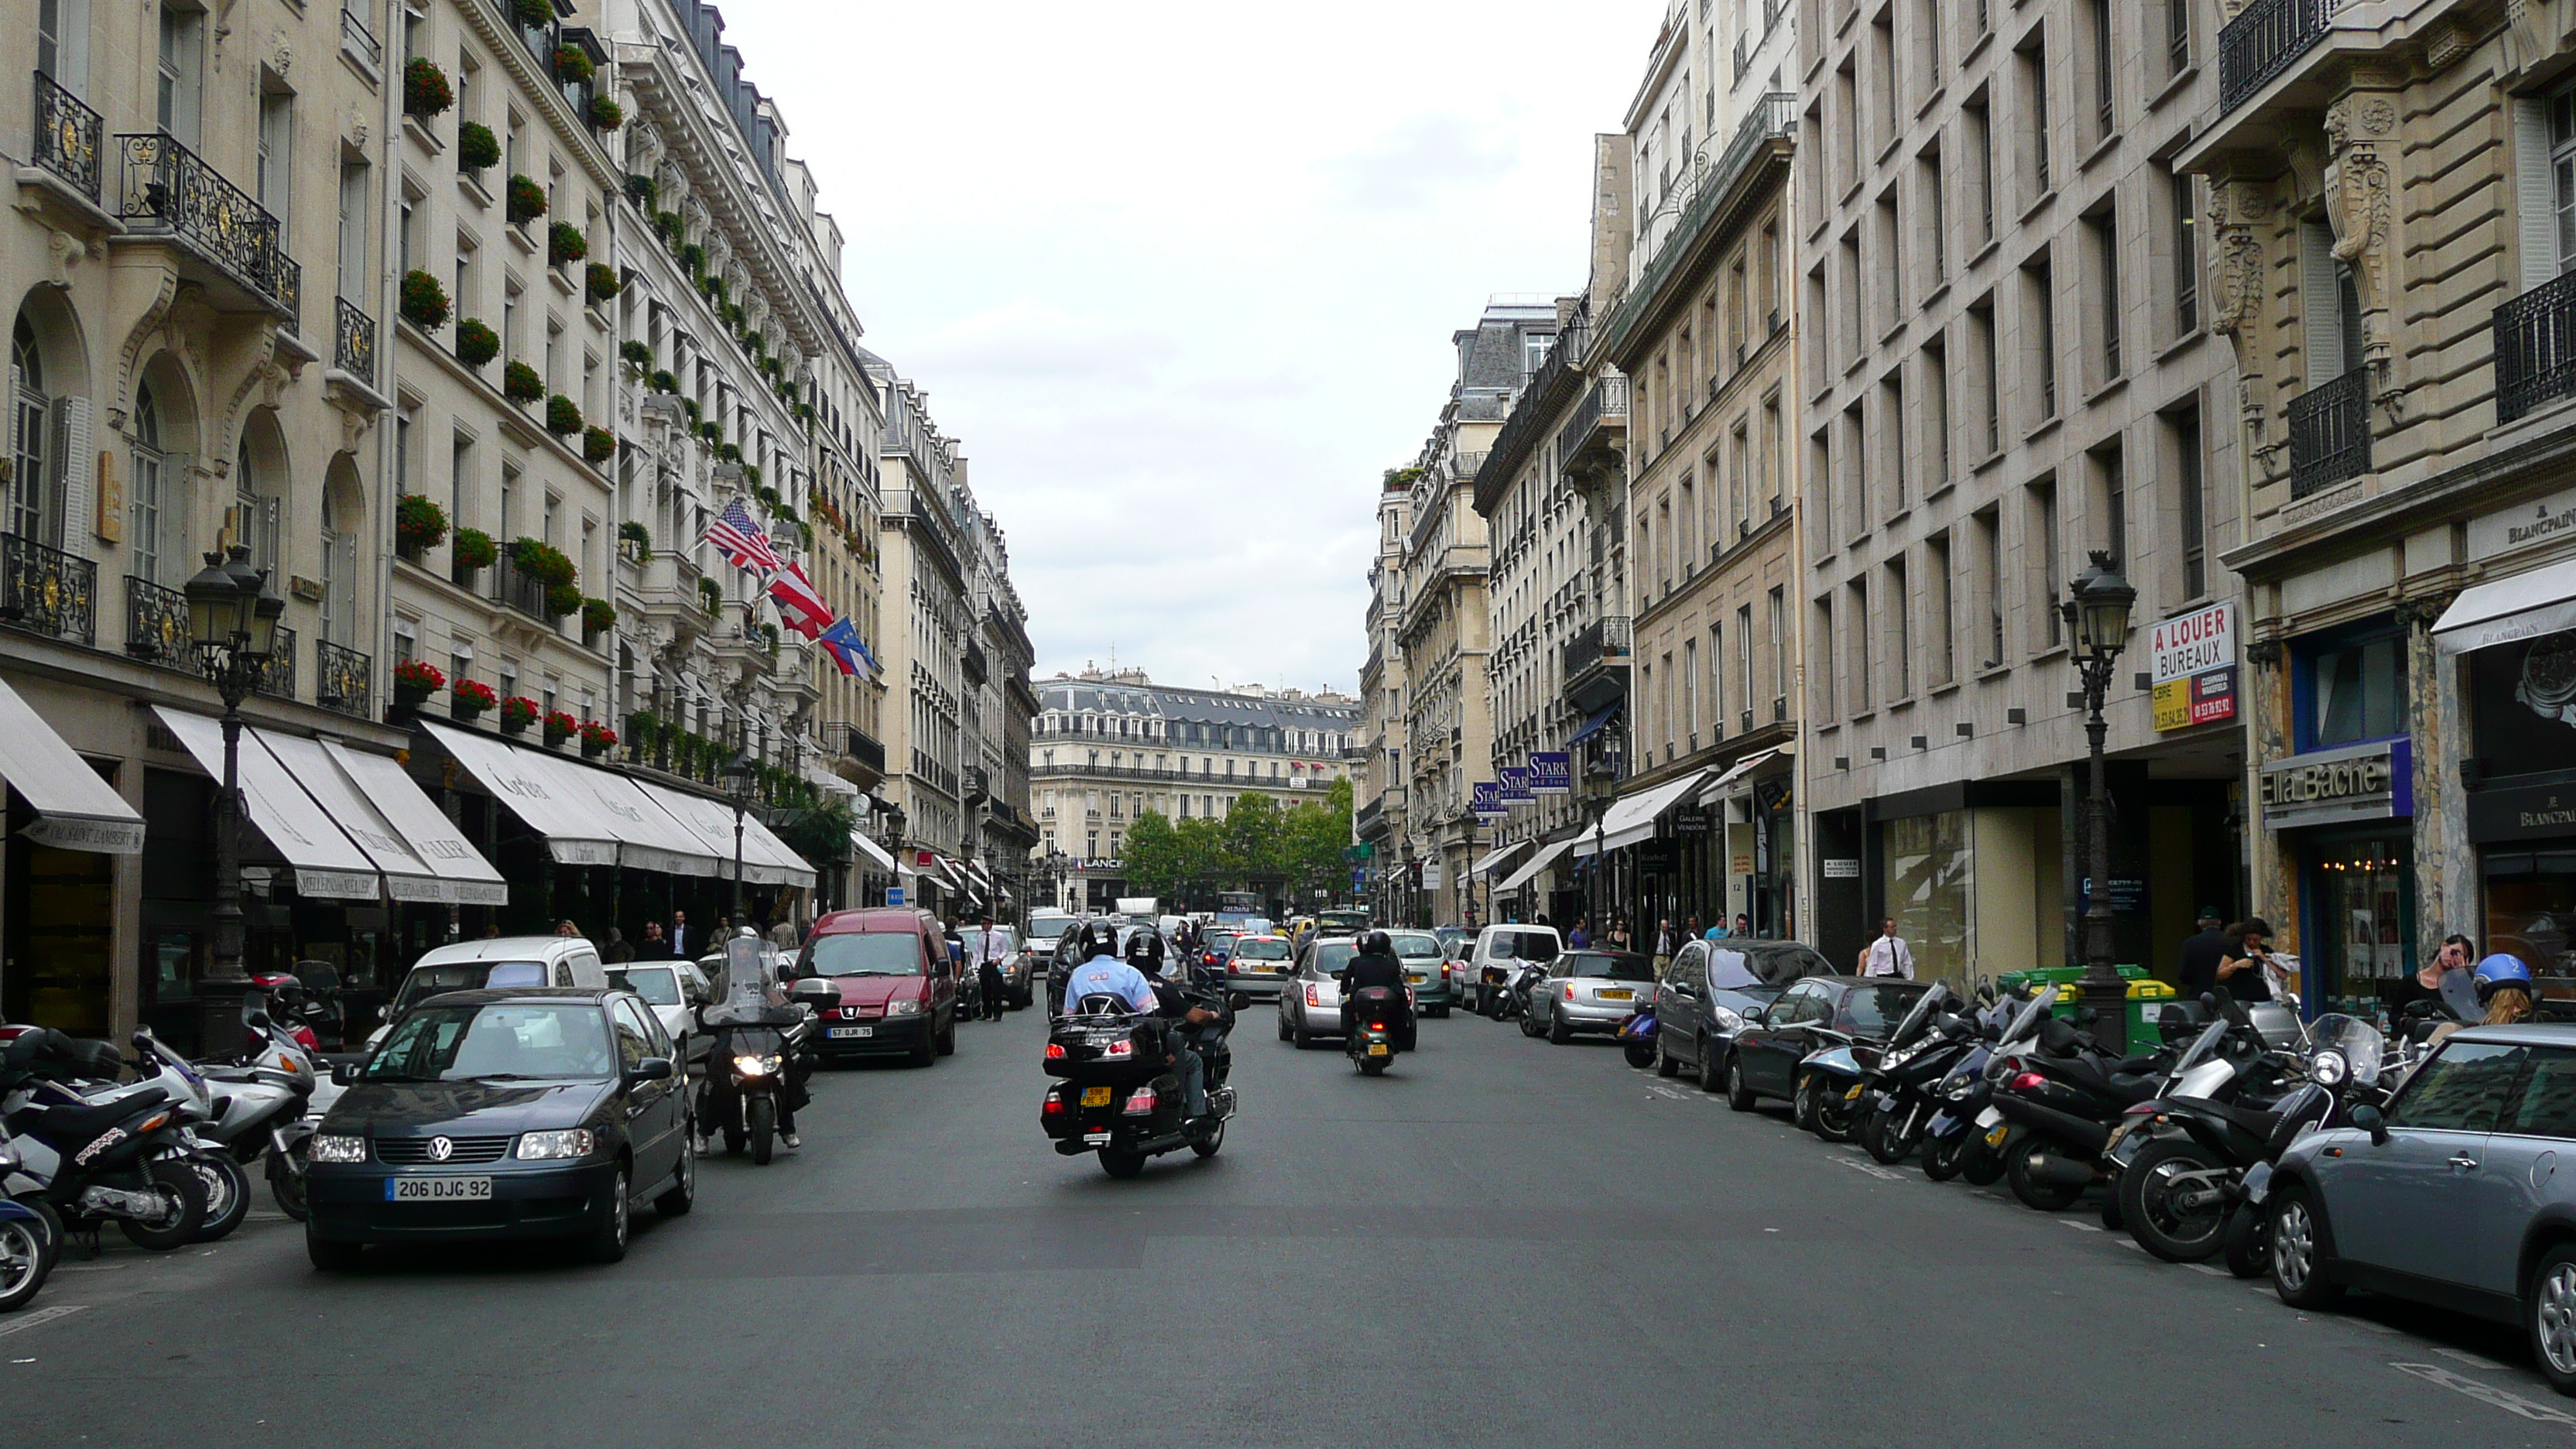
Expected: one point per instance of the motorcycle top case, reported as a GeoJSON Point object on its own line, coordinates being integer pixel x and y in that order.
{"type": "Point", "coordinates": [1116, 1051]}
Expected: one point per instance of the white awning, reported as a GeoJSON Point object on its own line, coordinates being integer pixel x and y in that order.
{"type": "Point", "coordinates": [648, 837]}
{"type": "Point", "coordinates": [873, 851]}
{"type": "Point", "coordinates": [766, 860]}
{"type": "Point", "coordinates": [407, 876]}
{"type": "Point", "coordinates": [1496, 857]}
{"type": "Point", "coordinates": [574, 833]}
{"type": "Point", "coordinates": [983, 878]}
{"type": "Point", "coordinates": [75, 809]}
{"type": "Point", "coordinates": [1632, 817]}
{"type": "Point", "coordinates": [1735, 772]}
{"type": "Point", "coordinates": [2508, 611]}
{"type": "Point", "coordinates": [328, 865]}
{"type": "Point", "coordinates": [464, 876]}
{"type": "Point", "coordinates": [1546, 857]}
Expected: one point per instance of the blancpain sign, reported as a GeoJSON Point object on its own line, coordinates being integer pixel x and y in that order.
{"type": "Point", "coordinates": [2512, 529]}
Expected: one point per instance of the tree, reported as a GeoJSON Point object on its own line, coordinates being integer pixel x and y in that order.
{"type": "Point", "coordinates": [1252, 836]}
{"type": "Point", "coordinates": [1154, 856]}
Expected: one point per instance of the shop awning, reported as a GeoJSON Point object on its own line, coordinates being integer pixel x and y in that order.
{"type": "Point", "coordinates": [464, 876]}
{"type": "Point", "coordinates": [327, 864]}
{"type": "Point", "coordinates": [766, 860]}
{"type": "Point", "coordinates": [1632, 817]}
{"type": "Point", "coordinates": [1496, 857]}
{"type": "Point", "coordinates": [407, 876]}
{"type": "Point", "coordinates": [649, 837]}
{"type": "Point", "coordinates": [75, 809]}
{"type": "Point", "coordinates": [869, 850]}
{"type": "Point", "coordinates": [1735, 772]}
{"type": "Point", "coordinates": [1600, 721]}
{"type": "Point", "coordinates": [1546, 857]}
{"type": "Point", "coordinates": [574, 832]}
{"type": "Point", "coordinates": [2508, 611]}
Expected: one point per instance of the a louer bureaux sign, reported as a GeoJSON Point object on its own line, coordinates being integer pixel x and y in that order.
{"type": "Point", "coordinates": [2194, 659]}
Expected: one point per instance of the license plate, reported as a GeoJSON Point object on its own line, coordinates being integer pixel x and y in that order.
{"type": "Point", "coordinates": [1094, 1139]}
{"type": "Point", "coordinates": [1621, 994]}
{"type": "Point", "coordinates": [1854, 1094]}
{"type": "Point", "coordinates": [843, 1033]}
{"type": "Point", "coordinates": [1095, 1096]}
{"type": "Point", "coordinates": [438, 1189]}
{"type": "Point", "coordinates": [1416, 977]}
{"type": "Point", "coordinates": [1995, 1135]}
{"type": "Point", "coordinates": [1377, 1049]}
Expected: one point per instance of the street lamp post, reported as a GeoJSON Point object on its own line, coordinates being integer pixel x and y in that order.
{"type": "Point", "coordinates": [232, 621]}
{"type": "Point", "coordinates": [2098, 607]}
{"type": "Point", "coordinates": [738, 777]}
{"type": "Point", "coordinates": [1600, 788]}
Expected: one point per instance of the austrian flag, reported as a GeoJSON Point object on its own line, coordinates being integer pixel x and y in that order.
{"type": "Point", "coordinates": [800, 604]}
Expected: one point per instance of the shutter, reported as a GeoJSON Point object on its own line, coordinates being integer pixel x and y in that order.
{"type": "Point", "coordinates": [65, 486]}
{"type": "Point", "coordinates": [2322, 327]}
{"type": "Point", "coordinates": [86, 514]}
{"type": "Point", "coordinates": [2534, 215]}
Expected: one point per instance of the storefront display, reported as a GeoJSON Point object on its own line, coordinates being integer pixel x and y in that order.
{"type": "Point", "coordinates": [2522, 807]}
{"type": "Point", "coordinates": [1929, 877]}
{"type": "Point", "coordinates": [2360, 931]}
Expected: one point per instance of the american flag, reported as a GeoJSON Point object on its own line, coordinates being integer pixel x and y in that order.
{"type": "Point", "coordinates": [743, 541]}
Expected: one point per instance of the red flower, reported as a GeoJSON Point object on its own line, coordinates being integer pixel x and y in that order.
{"type": "Point", "coordinates": [420, 674]}
{"type": "Point", "coordinates": [600, 735]}
{"type": "Point", "coordinates": [476, 692]}
{"type": "Point", "coordinates": [518, 709]}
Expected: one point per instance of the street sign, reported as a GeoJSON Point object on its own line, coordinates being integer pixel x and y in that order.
{"type": "Point", "coordinates": [1516, 785]}
{"type": "Point", "coordinates": [894, 895]}
{"type": "Point", "coordinates": [1359, 879]}
{"type": "Point", "coordinates": [1362, 851]}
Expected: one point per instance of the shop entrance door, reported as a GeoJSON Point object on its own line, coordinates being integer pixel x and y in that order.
{"type": "Point", "coordinates": [2363, 931]}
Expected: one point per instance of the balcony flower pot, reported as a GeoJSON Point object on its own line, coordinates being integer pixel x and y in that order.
{"type": "Point", "coordinates": [419, 525]}
{"type": "Point", "coordinates": [474, 553]}
{"type": "Point", "coordinates": [645, 191]}
{"type": "Point", "coordinates": [598, 445]}
{"type": "Point", "coordinates": [520, 383]}
{"type": "Point", "coordinates": [565, 244]}
{"type": "Point", "coordinates": [424, 301]}
{"type": "Point", "coordinates": [477, 149]}
{"type": "Point", "coordinates": [598, 616]}
{"type": "Point", "coordinates": [546, 563]}
{"type": "Point", "coordinates": [559, 727]}
{"type": "Point", "coordinates": [635, 354]}
{"type": "Point", "coordinates": [606, 114]}
{"type": "Point", "coordinates": [563, 417]}
{"type": "Point", "coordinates": [467, 700]}
{"type": "Point", "coordinates": [596, 739]}
{"type": "Point", "coordinates": [527, 201]}
{"type": "Point", "coordinates": [572, 65]}
{"type": "Point", "coordinates": [601, 282]}
{"type": "Point", "coordinates": [476, 344]}
{"type": "Point", "coordinates": [533, 14]}
{"type": "Point", "coordinates": [415, 680]}
{"type": "Point", "coordinates": [425, 90]}
{"type": "Point", "coordinates": [637, 538]}
{"type": "Point", "coordinates": [518, 712]}
{"type": "Point", "coordinates": [562, 599]}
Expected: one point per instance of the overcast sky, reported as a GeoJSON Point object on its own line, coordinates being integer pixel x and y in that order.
{"type": "Point", "coordinates": [1183, 276]}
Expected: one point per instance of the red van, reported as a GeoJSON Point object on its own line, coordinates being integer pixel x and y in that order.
{"type": "Point", "coordinates": [898, 991]}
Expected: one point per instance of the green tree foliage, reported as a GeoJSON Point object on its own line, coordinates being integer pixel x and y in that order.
{"type": "Point", "coordinates": [1155, 857]}
{"type": "Point", "coordinates": [1257, 846]}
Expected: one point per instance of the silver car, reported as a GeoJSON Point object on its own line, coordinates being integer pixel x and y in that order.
{"type": "Point", "coordinates": [1257, 968]}
{"type": "Point", "coordinates": [1311, 1006]}
{"type": "Point", "coordinates": [2452, 1195]}
{"type": "Point", "coordinates": [1588, 991]}
{"type": "Point", "coordinates": [1014, 960]}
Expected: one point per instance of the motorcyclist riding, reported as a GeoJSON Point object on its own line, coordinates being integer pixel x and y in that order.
{"type": "Point", "coordinates": [754, 1017]}
{"type": "Point", "coordinates": [1145, 954]}
{"type": "Point", "coordinates": [1103, 974]}
{"type": "Point", "coordinates": [1376, 966]}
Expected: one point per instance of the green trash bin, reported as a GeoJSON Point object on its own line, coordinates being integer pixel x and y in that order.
{"type": "Point", "coordinates": [2147, 998]}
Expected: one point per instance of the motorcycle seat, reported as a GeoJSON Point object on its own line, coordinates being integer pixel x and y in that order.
{"type": "Point", "coordinates": [68, 1123]}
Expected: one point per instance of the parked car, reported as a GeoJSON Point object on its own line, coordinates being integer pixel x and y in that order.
{"type": "Point", "coordinates": [539, 1112]}
{"type": "Point", "coordinates": [1588, 992]}
{"type": "Point", "coordinates": [1501, 948]}
{"type": "Point", "coordinates": [1768, 1047]}
{"type": "Point", "coordinates": [898, 988]}
{"type": "Point", "coordinates": [2449, 1196]}
{"type": "Point", "coordinates": [1311, 1005]}
{"type": "Point", "coordinates": [1711, 989]}
{"type": "Point", "coordinates": [501, 961]}
{"type": "Point", "coordinates": [1257, 969]}
{"type": "Point", "coordinates": [674, 990]}
{"type": "Point", "coordinates": [1424, 970]}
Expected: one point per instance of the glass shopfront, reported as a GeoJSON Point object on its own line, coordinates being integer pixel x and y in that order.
{"type": "Point", "coordinates": [1928, 879]}
{"type": "Point", "coordinates": [2522, 800]}
{"type": "Point", "coordinates": [2359, 940]}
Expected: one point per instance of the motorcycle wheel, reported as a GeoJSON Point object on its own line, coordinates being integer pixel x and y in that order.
{"type": "Point", "coordinates": [27, 1256]}
{"type": "Point", "coordinates": [1207, 1146]}
{"type": "Point", "coordinates": [286, 1181]}
{"type": "Point", "coordinates": [1642, 1056]}
{"type": "Point", "coordinates": [1978, 1164]}
{"type": "Point", "coordinates": [764, 1128]}
{"type": "Point", "coordinates": [1372, 1066]}
{"type": "Point", "coordinates": [1835, 1117]}
{"type": "Point", "coordinates": [2047, 1197]}
{"type": "Point", "coordinates": [1121, 1165]}
{"type": "Point", "coordinates": [1883, 1134]}
{"type": "Point", "coordinates": [227, 1195]}
{"type": "Point", "coordinates": [50, 1221]}
{"type": "Point", "coordinates": [2171, 1232]}
{"type": "Point", "coordinates": [183, 1199]}
{"type": "Point", "coordinates": [2249, 1242]}
{"type": "Point", "coordinates": [1941, 1157]}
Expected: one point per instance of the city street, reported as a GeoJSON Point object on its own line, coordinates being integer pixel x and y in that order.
{"type": "Point", "coordinates": [1502, 1243]}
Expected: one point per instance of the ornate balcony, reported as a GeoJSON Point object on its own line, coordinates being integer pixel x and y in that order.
{"type": "Point", "coordinates": [976, 671]}
{"type": "Point", "coordinates": [353, 341]}
{"type": "Point", "coordinates": [68, 135]}
{"type": "Point", "coordinates": [47, 591]}
{"type": "Point", "coordinates": [2535, 348]}
{"type": "Point", "coordinates": [523, 592]}
{"type": "Point", "coordinates": [343, 679]}
{"type": "Point", "coordinates": [277, 678]}
{"type": "Point", "coordinates": [2263, 40]}
{"type": "Point", "coordinates": [2330, 433]}
{"type": "Point", "coordinates": [855, 745]}
{"type": "Point", "coordinates": [167, 190]}
{"type": "Point", "coordinates": [1595, 440]}
{"type": "Point", "coordinates": [156, 624]}
{"type": "Point", "coordinates": [1596, 664]}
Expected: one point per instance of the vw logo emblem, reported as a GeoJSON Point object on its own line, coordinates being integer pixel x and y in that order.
{"type": "Point", "coordinates": [440, 1149]}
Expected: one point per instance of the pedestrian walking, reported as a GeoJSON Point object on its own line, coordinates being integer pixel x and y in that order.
{"type": "Point", "coordinates": [1619, 940]}
{"type": "Point", "coordinates": [783, 933]}
{"type": "Point", "coordinates": [1743, 926]}
{"type": "Point", "coordinates": [1580, 937]}
{"type": "Point", "coordinates": [1664, 946]}
{"type": "Point", "coordinates": [1887, 955]}
{"type": "Point", "coordinates": [988, 969]}
{"type": "Point", "coordinates": [618, 952]}
{"type": "Point", "coordinates": [2200, 955]}
{"type": "Point", "coordinates": [680, 937]}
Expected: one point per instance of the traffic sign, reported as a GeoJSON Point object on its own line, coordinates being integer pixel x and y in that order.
{"type": "Point", "coordinates": [1362, 851]}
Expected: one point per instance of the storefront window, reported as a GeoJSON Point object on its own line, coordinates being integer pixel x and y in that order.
{"type": "Point", "coordinates": [1929, 874]}
{"type": "Point", "coordinates": [2354, 691]}
{"type": "Point", "coordinates": [2531, 908]}
{"type": "Point", "coordinates": [2363, 932]}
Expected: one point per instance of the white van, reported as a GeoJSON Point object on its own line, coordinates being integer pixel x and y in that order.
{"type": "Point", "coordinates": [500, 961]}
{"type": "Point", "coordinates": [1502, 947]}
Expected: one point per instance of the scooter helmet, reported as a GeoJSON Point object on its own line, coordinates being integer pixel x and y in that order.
{"type": "Point", "coordinates": [2499, 971]}
{"type": "Point", "coordinates": [1145, 951]}
{"type": "Point", "coordinates": [1377, 943]}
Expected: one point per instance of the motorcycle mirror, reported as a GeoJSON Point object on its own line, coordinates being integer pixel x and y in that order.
{"type": "Point", "coordinates": [255, 1019]}
{"type": "Point", "coordinates": [2369, 1119]}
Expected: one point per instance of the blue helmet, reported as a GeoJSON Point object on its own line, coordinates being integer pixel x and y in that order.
{"type": "Point", "coordinates": [2500, 970]}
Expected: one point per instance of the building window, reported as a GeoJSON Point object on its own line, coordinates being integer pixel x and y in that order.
{"type": "Point", "coordinates": [1900, 634]}
{"type": "Point", "coordinates": [2034, 94]}
{"type": "Point", "coordinates": [2186, 252]}
{"type": "Point", "coordinates": [1776, 607]}
{"type": "Point", "coordinates": [2102, 234]}
{"type": "Point", "coordinates": [147, 518]}
{"type": "Point", "coordinates": [2191, 501]}
{"type": "Point", "coordinates": [2040, 361]}
{"type": "Point", "coordinates": [2111, 499]}
{"type": "Point", "coordinates": [1936, 579]}
{"type": "Point", "coordinates": [1978, 122]}
{"type": "Point", "coordinates": [276, 148]}
{"type": "Point", "coordinates": [1990, 570]}
{"type": "Point", "coordinates": [2351, 690]}
{"type": "Point", "coordinates": [1860, 639]}
{"type": "Point", "coordinates": [1989, 374]}
{"type": "Point", "coordinates": [179, 65]}
{"type": "Point", "coordinates": [1828, 684]}
{"type": "Point", "coordinates": [2051, 578]}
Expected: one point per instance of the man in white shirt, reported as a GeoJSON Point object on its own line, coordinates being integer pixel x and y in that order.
{"type": "Point", "coordinates": [1888, 955]}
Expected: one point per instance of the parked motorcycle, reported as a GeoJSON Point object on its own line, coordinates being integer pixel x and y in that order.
{"type": "Point", "coordinates": [116, 1157]}
{"type": "Point", "coordinates": [2349, 1065]}
{"type": "Point", "coordinates": [261, 1105]}
{"type": "Point", "coordinates": [1507, 988]}
{"type": "Point", "coordinates": [31, 1242]}
{"type": "Point", "coordinates": [1120, 1092]}
{"type": "Point", "coordinates": [1637, 1038]}
{"type": "Point", "coordinates": [1898, 1103]}
{"type": "Point", "coordinates": [2177, 1158]}
{"type": "Point", "coordinates": [1954, 1144]}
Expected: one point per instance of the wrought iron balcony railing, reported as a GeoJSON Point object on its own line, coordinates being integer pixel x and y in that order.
{"type": "Point", "coordinates": [846, 739]}
{"type": "Point", "coordinates": [343, 679]}
{"type": "Point", "coordinates": [46, 590]}
{"type": "Point", "coordinates": [355, 35]}
{"type": "Point", "coordinates": [277, 677]}
{"type": "Point", "coordinates": [1603, 641]}
{"type": "Point", "coordinates": [2330, 433]}
{"type": "Point", "coordinates": [1587, 428]}
{"type": "Point", "coordinates": [2535, 347]}
{"type": "Point", "coordinates": [156, 624]}
{"type": "Point", "coordinates": [353, 341]}
{"type": "Point", "coordinates": [524, 592]}
{"type": "Point", "coordinates": [68, 135]}
{"type": "Point", "coordinates": [2262, 41]}
{"type": "Point", "coordinates": [976, 670]}
{"type": "Point", "coordinates": [168, 189]}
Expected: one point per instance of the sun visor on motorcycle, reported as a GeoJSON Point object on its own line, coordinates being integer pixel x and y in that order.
{"type": "Point", "coordinates": [2460, 994]}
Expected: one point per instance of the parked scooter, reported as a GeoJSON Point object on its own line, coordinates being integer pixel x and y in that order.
{"type": "Point", "coordinates": [2176, 1159]}
{"type": "Point", "coordinates": [1507, 990]}
{"type": "Point", "coordinates": [1898, 1102]}
{"type": "Point", "coordinates": [261, 1103]}
{"type": "Point", "coordinates": [1954, 1145]}
{"type": "Point", "coordinates": [1637, 1038]}
{"type": "Point", "coordinates": [2349, 1066]}
{"type": "Point", "coordinates": [116, 1157]}
{"type": "Point", "coordinates": [31, 1242]}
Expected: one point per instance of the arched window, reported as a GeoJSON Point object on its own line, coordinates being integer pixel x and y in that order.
{"type": "Point", "coordinates": [35, 489]}
{"type": "Point", "coordinates": [148, 506]}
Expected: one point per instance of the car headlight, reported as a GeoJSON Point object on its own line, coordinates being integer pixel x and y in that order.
{"type": "Point", "coordinates": [1727, 1017]}
{"type": "Point", "coordinates": [752, 1066]}
{"type": "Point", "coordinates": [337, 1147]}
{"type": "Point", "coordinates": [541, 1146]}
{"type": "Point", "coordinates": [903, 1008]}
{"type": "Point", "coordinates": [2330, 1067]}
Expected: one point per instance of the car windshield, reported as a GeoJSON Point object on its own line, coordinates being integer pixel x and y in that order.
{"type": "Point", "coordinates": [1332, 956]}
{"type": "Point", "coordinates": [658, 985]}
{"type": "Point", "coordinates": [1272, 949]}
{"type": "Point", "coordinates": [1871, 1010]}
{"type": "Point", "coordinates": [1730, 969]}
{"type": "Point", "coordinates": [866, 953]}
{"type": "Point", "coordinates": [425, 982]}
{"type": "Point", "coordinates": [499, 1040]}
{"type": "Point", "coordinates": [1607, 966]}
{"type": "Point", "coordinates": [1523, 946]}
{"type": "Point", "coordinates": [1417, 948]}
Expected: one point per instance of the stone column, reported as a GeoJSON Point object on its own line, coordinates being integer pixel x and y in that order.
{"type": "Point", "coordinates": [2446, 867]}
{"type": "Point", "coordinates": [2267, 738]}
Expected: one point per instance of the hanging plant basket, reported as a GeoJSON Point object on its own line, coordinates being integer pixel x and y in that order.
{"type": "Point", "coordinates": [565, 244]}
{"type": "Point", "coordinates": [424, 301]}
{"type": "Point", "coordinates": [563, 416]}
{"type": "Point", "coordinates": [572, 65]}
{"type": "Point", "coordinates": [560, 727]}
{"type": "Point", "coordinates": [474, 550]}
{"type": "Point", "coordinates": [477, 148]}
{"type": "Point", "coordinates": [517, 713]}
{"type": "Point", "coordinates": [598, 445]}
{"type": "Point", "coordinates": [520, 383]}
{"type": "Point", "coordinates": [476, 344]}
{"type": "Point", "coordinates": [415, 680]}
{"type": "Point", "coordinates": [527, 201]}
{"type": "Point", "coordinates": [601, 281]}
{"type": "Point", "coordinates": [419, 524]}
{"type": "Point", "coordinates": [596, 739]}
{"type": "Point", "coordinates": [467, 700]}
{"type": "Point", "coordinates": [606, 114]}
{"type": "Point", "coordinates": [425, 90]}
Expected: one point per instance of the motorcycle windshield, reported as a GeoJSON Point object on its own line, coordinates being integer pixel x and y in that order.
{"type": "Point", "coordinates": [2362, 1046]}
{"type": "Point", "coordinates": [1918, 1019]}
{"type": "Point", "coordinates": [2460, 995]}
{"type": "Point", "coordinates": [753, 1040]}
{"type": "Point", "coordinates": [2025, 1022]}
{"type": "Point", "coordinates": [2202, 1047]}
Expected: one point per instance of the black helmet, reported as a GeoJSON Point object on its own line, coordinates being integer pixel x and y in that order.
{"type": "Point", "coordinates": [1099, 937]}
{"type": "Point", "coordinates": [1377, 943]}
{"type": "Point", "coordinates": [1145, 950]}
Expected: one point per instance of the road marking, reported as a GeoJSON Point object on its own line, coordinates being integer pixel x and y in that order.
{"type": "Point", "coordinates": [2487, 1394]}
{"type": "Point", "coordinates": [1872, 1168]}
{"type": "Point", "coordinates": [2081, 1227]}
{"type": "Point", "coordinates": [2475, 1361]}
{"type": "Point", "coordinates": [2129, 1244]}
{"type": "Point", "coordinates": [41, 1315]}
{"type": "Point", "coordinates": [2214, 1272]}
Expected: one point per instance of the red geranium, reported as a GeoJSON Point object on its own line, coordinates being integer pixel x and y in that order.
{"type": "Point", "coordinates": [420, 674]}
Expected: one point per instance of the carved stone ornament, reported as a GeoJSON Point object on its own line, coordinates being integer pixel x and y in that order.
{"type": "Point", "coordinates": [281, 56]}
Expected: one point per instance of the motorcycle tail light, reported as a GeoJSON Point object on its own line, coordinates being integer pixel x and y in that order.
{"type": "Point", "coordinates": [2141, 1110]}
{"type": "Point", "coordinates": [1054, 1106]}
{"type": "Point", "coordinates": [1377, 1026]}
{"type": "Point", "coordinates": [152, 1123]}
{"type": "Point", "coordinates": [1140, 1103]}
{"type": "Point", "coordinates": [2027, 1082]}
{"type": "Point", "coordinates": [1119, 1048]}
{"type": "Point", "coordinates": [1055, 1051]}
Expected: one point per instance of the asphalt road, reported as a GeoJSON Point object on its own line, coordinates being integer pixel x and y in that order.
{"type": "Point", "coordinates": [1502, 1243]}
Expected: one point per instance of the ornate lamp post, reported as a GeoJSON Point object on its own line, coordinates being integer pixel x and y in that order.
{"type": "Point", "coordinates": [1600, 789]}
{"type": "Point", "coordinates": [232, 621]}
{"type": "Point", "coordinates": [739, 777]}
{"type": "Point", "coordinates": [2097, 608]}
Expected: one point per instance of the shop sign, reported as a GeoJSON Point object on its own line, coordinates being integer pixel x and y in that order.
{"type": "Point", "coordinates": [2194, 657]}
{"type": "Point", "coordinates": [2364, 782]}
{"type": "Point", "coordinates": [1841, 869]}
{"type": "Point", "coordinates": [2531, 812]}
{"type": "Point", "coordinates": [1515, 786]}
{"type": "Point", "coordinates": [1655, 855]}
{"type": "Point", "coordinates": [103, 837]}
{"type": "Point", "coordinates": [1551, 773]}
{"type": "Point", "coordinates": [1431, 875]}
{"type": "Point", "coordinates": [1485, 797]}
{"type": "Point", "coordinates": [1698, 820]}
{"type": "Point", "coordinates": [2128, 895]}
{"type": "Point", "coordinates": [2523, 525]}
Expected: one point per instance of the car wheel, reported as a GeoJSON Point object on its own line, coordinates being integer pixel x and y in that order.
{"type": "Point", "coordinates": [948, 1039]}
{"type": "Point", "coordinates": [2549, 1314]}
{"type": "Point", "coordinates": [683, 1193]}
{"type": "Point", "coordinates": [608, 1238]}
{"type": "Point", "coordinates": [2301, 1253]}
{"type": "Point", "coordinates": [1666, 1064]}
{"type": "Point", "coordinates": [330, 1257]}
{"type": "Point", "coordinates": [1298, 1035]}
{"type": "Point", "coordinates": [1284, 1033]}
{"type": "Point", "coordinates": [1558, 1033]}
{"type": "Point", "coordinates": [924, 1051]}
